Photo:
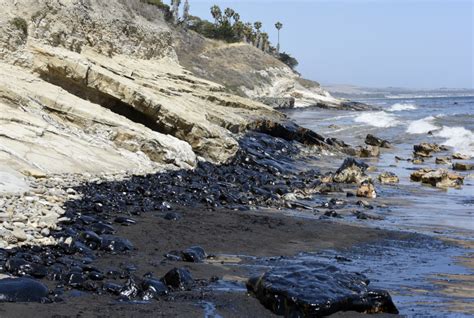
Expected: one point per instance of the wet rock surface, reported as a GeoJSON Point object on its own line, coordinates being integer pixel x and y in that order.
{"type": "Point", "coordinates": [22, 290]}
{"type": "Point", "coordinates": [440, 178]}
{"type": "Point", "coordinates": [376, 141]}
{"type": "Point", "coordinates": [316, 290]}
{"type": "Point", "coordinates": [425, 149]}
{"type": "Point", "coordinates": [388, 178]}
{"type": "Point", "coordinates": [462, 166]}
{"type": "Point", "coordinates": [351, 171]}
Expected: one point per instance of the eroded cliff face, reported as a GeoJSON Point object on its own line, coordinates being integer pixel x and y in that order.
{"type": "Point", "coordinates": [95, 86]}
{"type": "Point", "coordinates": [247, 71]}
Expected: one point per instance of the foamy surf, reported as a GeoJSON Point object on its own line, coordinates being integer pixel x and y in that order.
{"type": "Point", "coordinates": [460, 138]}
{"type": "Point", "coordinates": [378, 119]}
{"type": "Point", "coordinates": [422, 126]}
{"type": "Point", "coordinates": [401, 107]}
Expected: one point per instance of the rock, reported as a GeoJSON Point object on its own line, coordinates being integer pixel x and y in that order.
{"type": "Point", "coordinates": [461, 166]}
{"type": "Point", "coordinates": [195, 254]}
{"type": "Point", "coordinates": [172, 216]}
{"type": "Point", "coordinates": [388, 177]}
{"type": "Point", "coordinates": [115, 244]}
{"type": "Point", "coordinates": [461, 156]}
{"type": "Point", "coordinates": [34, 173]}
{"type": "Point", "coordinates": [277, 102]}
{"type": "Point", "coordinates": [332, 214]}
{"type": "Point", "coordinates": [366, 216]}
{"type": "Point", "coordinates": [20, 235]}
{"type": "Point", "coordinates": [440, 178]}
{"type": "Point", "coordinates": [22, 290]}
{"type": "Point", "coordinates": [443, 160]}
{"type": "Point", "coordinates": [152, 289]}
{"type": "Point", "coordinates": [369, 151]}
{"type": "Point", "coordinates": [425, 149]}
{"type": "Point", "coordinates": [179, 278]}
{"type": "Point", "coordinates": [316, 290]}
{"type": "Point", "coordinates": [124, 221]}
{"type": "Point", "coordinates": [366, 190]}
{"type": "Point", "coordinates": [351, 171]}
{"type": "Point", "coordinates": [375, 141]}
{"type": "Point", "coordinates": [418, 161]}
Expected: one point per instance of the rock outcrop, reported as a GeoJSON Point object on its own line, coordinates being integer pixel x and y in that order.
{"type": "Point", "coordinates": [96, 86]}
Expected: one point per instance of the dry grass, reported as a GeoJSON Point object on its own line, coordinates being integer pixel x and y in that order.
{"type": "Point", "coordinates": [148, 9]}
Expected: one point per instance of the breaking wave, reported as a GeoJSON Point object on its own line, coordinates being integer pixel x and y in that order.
{"type": "Point", "coordinates": [378, 119]}
{"type": "Point", "coordinates": [400, 107]}
{"type": "Point", "coordinates": [422, 126]}
{"type": "Point", "coordinates": [460, 138]}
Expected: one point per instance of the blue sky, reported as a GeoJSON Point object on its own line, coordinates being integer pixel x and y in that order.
{"type": "Point", "coordinates": [376, 43]}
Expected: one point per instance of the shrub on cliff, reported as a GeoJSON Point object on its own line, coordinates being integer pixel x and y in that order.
{"type": "Point", "coordinates": [160, 5]}
{"type": "Point", "coordinates": [288, 60]}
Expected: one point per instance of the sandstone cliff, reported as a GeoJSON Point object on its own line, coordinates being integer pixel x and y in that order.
{"type": "Point", "coordinates": [96, 86]}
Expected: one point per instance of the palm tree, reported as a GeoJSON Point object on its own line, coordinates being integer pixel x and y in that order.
{"type": "Point", "coordinates": [278, 26]}
{"type": "Point", "coordinates": [216, 13]}
{"type": "Point", "coordinates": [264, 40]}
{"type": "Point", "coordinates": [236, 17]}
{"type": "Point", "coordinates": [229, 13]}
{"type": "Point", "coordinates": [186, 11]}
{"type": "Point", "coordinates": [258, 25]}
{"type": "Point", "coordinates": [248, 32]}
{"type": "Point", "coordinates": [175, 9]}
{"type": "Point", "coordinates": [239, 29]}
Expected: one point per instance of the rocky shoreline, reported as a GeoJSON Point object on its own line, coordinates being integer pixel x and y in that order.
{"type": "Point", "coordinates": [102, 221]}
{"type": "Point", "coordinates": [165, 236]}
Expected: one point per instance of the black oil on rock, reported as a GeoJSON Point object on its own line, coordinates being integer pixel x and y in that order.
{"type": "Point", "coordinates": [316, 290]}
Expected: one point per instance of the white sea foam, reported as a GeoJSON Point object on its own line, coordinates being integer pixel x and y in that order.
{"type": "Point", "coordinates": [378, 119]}
{"type": "Point", "coordinates": [400, 107]}
{"type": "Point", "coordinates": [422, 126]}
{"type": "Point", "coordinates": [460, 138]}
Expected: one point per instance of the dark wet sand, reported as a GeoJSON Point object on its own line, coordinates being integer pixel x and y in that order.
{"type": "Point", "coordinates": [218, 232]}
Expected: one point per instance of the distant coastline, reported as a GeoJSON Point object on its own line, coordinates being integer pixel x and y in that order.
{"type": "Point", "coordinates": [356, 92]}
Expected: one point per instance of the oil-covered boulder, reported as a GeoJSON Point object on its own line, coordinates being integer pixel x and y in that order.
{"type": "Point", "coordinates": [178, 278]}
{"type": "Point", "coordinates": [315, 290]}
{"type": "Point", "coordinates": [22, 290]}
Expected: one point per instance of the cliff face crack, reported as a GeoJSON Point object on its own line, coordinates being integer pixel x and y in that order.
{"type": "Point", "coordinates": [114, 104]}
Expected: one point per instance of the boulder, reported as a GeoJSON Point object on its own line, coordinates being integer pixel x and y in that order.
{"type": "Point", "coordinates": [351, 171]}
{"type": "Point", "coordinates": [378, 142]}
{"type": "Point", "coordinates": [366, 190]}
{"type": "Point", "coordinates": [369, 151]}
{"type": "Point", "coordinates": [440, 178]}
{"type": "Point", "coordinates": [418, 161]}
{"type": "Point", "coordinates": [22, 290]}
{"type": "Point", "coordinates": [426, 149]}
{"type": "Point", "coordinates": [388, 177]}
{"type": "Point", "coordinates": [461, 166]}
{"type": "Point", "coordinates": [461, 156]}
{"type": "Point", "coordinates": [179, 278]}
{"type": "Point", "coordinates": [315, 290]}
{"type": "Point", "coordinates": [443, 160]}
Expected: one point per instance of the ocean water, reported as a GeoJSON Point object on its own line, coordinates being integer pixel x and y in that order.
{"type": "Point", "coordinates": [424, 280]}
{"type": "Point", "coordinates": [406, 122]}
